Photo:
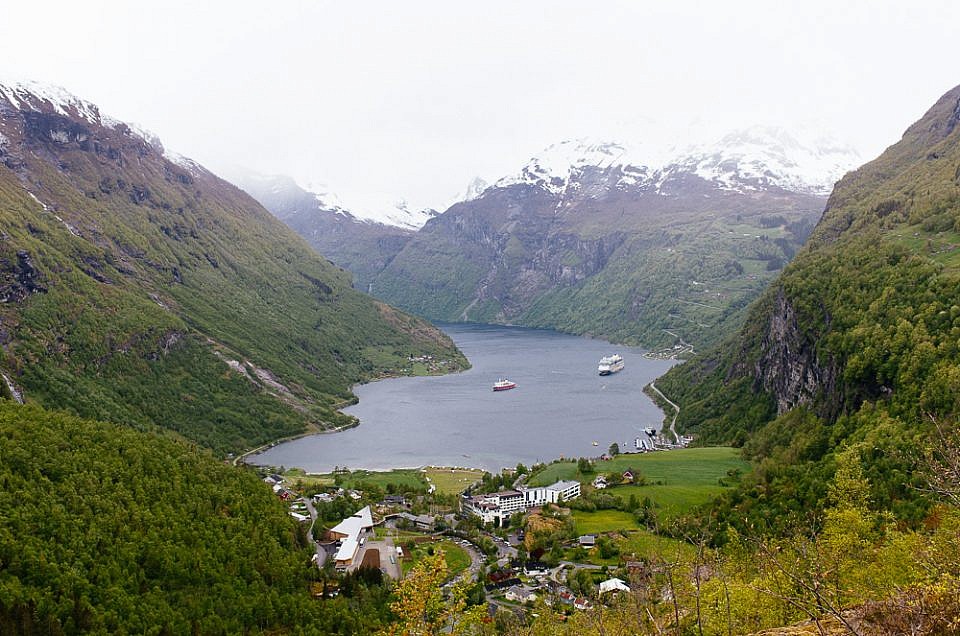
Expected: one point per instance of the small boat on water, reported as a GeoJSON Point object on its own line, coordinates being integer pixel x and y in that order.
{"type": "Point", "coordinates": [504, 384]}
{"type": "Point", "coordinates": [650, 431]}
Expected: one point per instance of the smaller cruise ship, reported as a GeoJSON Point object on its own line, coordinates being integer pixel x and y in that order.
{"type": "Point", "coordinates": [504, 384]}
{"type": "Point", "coordinates": [610, 364]}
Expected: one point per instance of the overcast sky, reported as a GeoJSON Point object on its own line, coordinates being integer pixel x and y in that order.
{"type": "Point", "coordinates": [383, 100]}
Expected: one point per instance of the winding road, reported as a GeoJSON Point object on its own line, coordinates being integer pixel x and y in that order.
{"type": "Point", "coordinates": [676, 414]}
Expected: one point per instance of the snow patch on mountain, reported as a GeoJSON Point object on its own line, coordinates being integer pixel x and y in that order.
{"type": "Point", "coordinates": [41, 97]}
{"type": "Point", "coordinates": [474, 189]}
{"type": "Point", "coordinates": [372, 207]}
{"type": "Point", "coordinates": [762, 157]}
{"type": "Point", "coordinates": [751, 159]}
{"type": "Point", "coordinates": [33, 95]}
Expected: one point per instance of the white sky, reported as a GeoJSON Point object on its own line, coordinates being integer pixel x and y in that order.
{"type": "Point", "coordinates": [383, 100]}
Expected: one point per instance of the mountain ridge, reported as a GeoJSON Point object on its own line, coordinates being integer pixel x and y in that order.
{"type": "Point", "coordinates": [149, 291]}
{"type": "Point", "coordinates": [585, 240]}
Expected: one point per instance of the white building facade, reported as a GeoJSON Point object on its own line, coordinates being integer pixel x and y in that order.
{"type": "Point", "coordinates": [498, 507]}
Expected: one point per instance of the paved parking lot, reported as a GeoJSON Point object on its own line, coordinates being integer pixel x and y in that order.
{"type": "Point", "coordinates": [388, 553]}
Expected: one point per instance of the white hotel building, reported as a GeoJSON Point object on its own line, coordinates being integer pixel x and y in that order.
{"type": "Point", "coordinates": [498, 507]}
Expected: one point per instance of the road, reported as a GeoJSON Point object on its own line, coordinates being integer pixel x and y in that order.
{"type": "Point", "coordinates": [321, 553]}
{"type": "Point", "coordinates": [676, 412]}
{"type": "Point", "coordinates": [555, 572]}
{"type": "Point", "coordinates": [476, 562]}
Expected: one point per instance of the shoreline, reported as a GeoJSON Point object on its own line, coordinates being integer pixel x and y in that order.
{"type": "Point", "coordinates": [244, 458]}
{"type": "Point", "coordinates": [339, 408]}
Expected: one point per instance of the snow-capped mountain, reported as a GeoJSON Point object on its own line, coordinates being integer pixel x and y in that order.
{"type": "Point", "coordinates": [750, 159]}
{"type": "Point", "coordinates": [474, 189]}
{"type": "Point", "coordinates": [762, 157]}
{"type": "Point", "coordinates": [373, 207]}
{"type": "Point", "coordinates": [41, 97]}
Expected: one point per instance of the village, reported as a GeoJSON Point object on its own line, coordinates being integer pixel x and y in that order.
{"type": "Point", "coordinates": [570, 543]}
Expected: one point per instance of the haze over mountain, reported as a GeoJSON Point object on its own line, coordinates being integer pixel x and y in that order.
{"type": "Point", "coordinates": [617, 240]}
{"type": "Point", "coordinates": [139, 287]}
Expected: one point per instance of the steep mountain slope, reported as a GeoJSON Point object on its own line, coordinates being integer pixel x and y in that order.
{"type": "Point", "coordinates": [593, 237]}
{"type": "Point", "coordinates": [858, 342]}
{"type": "Point", "coordinates": [139, 287]}
{"type": "Point", "coordinates": [361, 246]}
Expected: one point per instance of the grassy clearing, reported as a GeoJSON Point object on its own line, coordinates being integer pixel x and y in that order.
{"type": "Point", "coordinates": [670, 501]}
{"type": "Point", "coordinates": [687, 466]}
{"type": "Point", "coordinates": [676, 481]}
{"type": "Point", "coordinates": [634, 546]}
{"type": "Point", "coordinates": [298, 475]}
{"type": "Point", "coordinates": [451, 481]}
{"type": "Point", "coordinates": [456, 557]}
{"type": "Point", "coordinates": [405, 478]}
{"type": "Point", "coordinates": [603, 521]}
{"type": "Point", "coordinates": [942, 247]}
{"type": "Point", "coordinates": [643, 543]}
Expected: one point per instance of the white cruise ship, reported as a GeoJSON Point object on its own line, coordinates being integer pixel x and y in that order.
{"type": "Point", "coordinates": [610, 364]}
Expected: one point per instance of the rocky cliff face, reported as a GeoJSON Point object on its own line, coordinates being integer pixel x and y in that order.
{"type": "Point", "coordinates": [867, 311]}
{"type": "Point", "coordinates": [19, 280]}
{"type": "Point", "coordinates": [789, 366]}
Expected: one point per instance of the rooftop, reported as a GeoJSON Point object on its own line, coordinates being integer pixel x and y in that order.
{"type": "Point", "coordinates": [352, 526]}
{"type": "Point", "coordinates": [563, 485]}
{"type": "Point", "coordinates": [347, 549]}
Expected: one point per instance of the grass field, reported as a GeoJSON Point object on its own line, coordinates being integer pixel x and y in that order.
{"type": "Point", "coordinates": [643, 543]}
{"type": "Point", "coordinates": [452, 481]}
{"type": "Point", "coordinates": [294, 475]}
{"type": "Point", "coordinates": [456, 557]}
{"type": "Point", "coordinates": [636, 545]}
{"type": "Point", "coordinates": [677, 480]}
{"type": "Point", "coordinates": [398, 535]}
{"type": "Point", "coordinates": [603, 521]}
{"type": "Point", "coordinates": [403, 478]}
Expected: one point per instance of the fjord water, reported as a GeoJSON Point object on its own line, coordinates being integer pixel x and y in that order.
{"type": "Point", "coordinates": [559, 408]}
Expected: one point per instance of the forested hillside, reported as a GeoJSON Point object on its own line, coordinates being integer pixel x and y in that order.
{"type": "Point", "coordinates": [108, 530]}
{"type": "Point", "coordinates": [856, 345]}
{"type": "Point", "coordinates": [138, 287]}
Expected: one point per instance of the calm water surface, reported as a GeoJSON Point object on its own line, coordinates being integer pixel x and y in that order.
{"type": "Point", "coordinates": [559, 408]}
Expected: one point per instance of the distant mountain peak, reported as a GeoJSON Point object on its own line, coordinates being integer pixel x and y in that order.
{"type": "Point", "coordinates": [375, 208]}
{"type": "Point", "coordinates": [474, 189]}
{"type": "Point", "coordinates": [553, 167]}
{"type": "Point", "coordinates": [742, 160]}
{"type": "Point", "coordinates": [767, 156]}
